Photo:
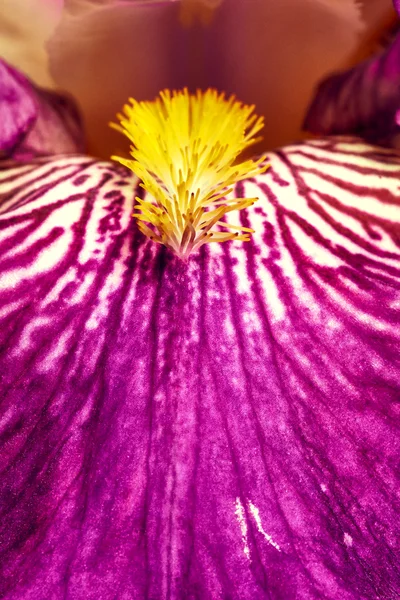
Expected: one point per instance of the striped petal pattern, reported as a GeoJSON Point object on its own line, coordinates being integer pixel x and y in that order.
{"type": "Point", "coordinates": [227, 428]}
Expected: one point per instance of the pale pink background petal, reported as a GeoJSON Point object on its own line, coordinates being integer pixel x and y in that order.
{"type": "Point", "coordinates": [104, 52]}
{"type": "Point", "coordinates": [273, 53]}
{"type": "Point", "coordinates": [269, 53]}
{"type": "Point", "coordinates": [25, 26]}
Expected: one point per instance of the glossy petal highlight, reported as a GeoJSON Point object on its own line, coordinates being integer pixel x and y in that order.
{"type": "Point", "coordinates": [225, 428]}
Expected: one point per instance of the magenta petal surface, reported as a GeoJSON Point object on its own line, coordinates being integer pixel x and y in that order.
{"type": "Point", "coordinates": [223, 429]}
{"type": "Point", "coordinates": [34, 122]}
{"type": "Point", "coordinates": [364, 101]}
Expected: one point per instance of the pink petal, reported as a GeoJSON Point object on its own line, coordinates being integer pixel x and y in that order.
{"type": "Point", "coordinates": [223, 429]}
{"type": "Point", "coordinates": [273, 54]}
{"type": "Point", "coordinates": [35, 122]}
{"type": "Point", "coordinates": [268, 53]}
{"type": "Point", "coordinates": [25, 26]}
{"type": "Point", "coordinates": [106, 51]}
{"type": "Point", "coordinates": [364, 100]}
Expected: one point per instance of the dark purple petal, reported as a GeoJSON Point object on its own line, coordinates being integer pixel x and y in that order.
{"type": "Point", "coordinates": [35, 122]}
{"type": "Point", "coordinates": [223, 429]}
{"type": "Point", "coordinates": [363, 101]}
{"type": "Point", "coordinates": [397, 5]}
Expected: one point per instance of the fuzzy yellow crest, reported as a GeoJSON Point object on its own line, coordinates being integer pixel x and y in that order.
{"type": "Point", "coordinates": [186, 150]}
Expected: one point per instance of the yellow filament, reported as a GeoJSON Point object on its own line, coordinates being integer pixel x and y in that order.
{"type": "Point", "coordinates": [185, 149]}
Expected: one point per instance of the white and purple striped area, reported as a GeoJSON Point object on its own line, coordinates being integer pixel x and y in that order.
{"type": "Point", "coordinates": [224, 429]}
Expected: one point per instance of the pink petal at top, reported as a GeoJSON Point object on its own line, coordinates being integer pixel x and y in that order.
{"type": "Point", "coordinates": [270, 53]}
{"type": "Point", "coordinates": [104, 52]}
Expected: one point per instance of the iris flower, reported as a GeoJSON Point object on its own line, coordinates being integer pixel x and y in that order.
{"type": "Point", "coordinates": [226, 426]}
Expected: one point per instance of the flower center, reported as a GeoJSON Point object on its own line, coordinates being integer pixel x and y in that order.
{"type": "Point", "coordinates": [185, 149]}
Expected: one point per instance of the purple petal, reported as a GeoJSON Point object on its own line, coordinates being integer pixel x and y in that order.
{"type": "Point", "coordinates": [34, 122]}
{"type": "Point", "coordinates": [364, 101]}
{"type": "Point", "coordinates": [223, 429]}
{"type": "Point", "coordinates": [397, 5]}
